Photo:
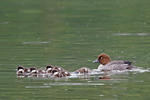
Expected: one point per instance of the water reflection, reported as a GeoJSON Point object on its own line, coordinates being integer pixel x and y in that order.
{"type": "Point", "coordinates": [37, 86]}
{"type": "Point", "coordinates": [132, 34]}
{"type": "Point", "coordinates": [71, 84]}
{"type": "Point", "coordinates": [4, 22]}
{"type": "Point", "coordinates": [36, 42]}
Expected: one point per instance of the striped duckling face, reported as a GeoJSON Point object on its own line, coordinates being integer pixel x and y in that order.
{"type": "Point", "coordinates": [49, 69]}
{"type": "Point", "coordinates": [56, 69]}
{"type": "Point", "coordinates": [20, 71]}
{"type": "Point", "coordinates": [33, 70]}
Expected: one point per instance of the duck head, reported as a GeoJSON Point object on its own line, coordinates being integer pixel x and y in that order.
{"type": "Point", "coordinates": [20, 70]}
{"type": "Point", "coordinates": [48, 69]}
{"type": "Point", "coordinates": [103, 59]}
{"type": "Point", "coordinates": [33, 70]}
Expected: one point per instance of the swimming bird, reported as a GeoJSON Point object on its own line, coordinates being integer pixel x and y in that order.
{"type": "Point", "coordinates": [83, 70]}
{"type": "Point", "coordinates": [61, 74]}
{"type": "Point", "coordinates": [107, 65]}
{"type": "Point", "coordinates": [48, 69]}
{"type": "Point", "coordinates": [33, 70]}
{"type": "Point", "coordinates": [21, 71]}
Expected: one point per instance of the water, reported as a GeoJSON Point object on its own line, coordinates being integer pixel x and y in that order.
{"type": "Point", "coordinates": [71, 33]}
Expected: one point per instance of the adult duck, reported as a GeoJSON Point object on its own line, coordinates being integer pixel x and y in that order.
{"type": "Point", "coordinates": [107, 65]}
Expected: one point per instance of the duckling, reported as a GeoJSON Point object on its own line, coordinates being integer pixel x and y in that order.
{"type": "Point", "coordinates": [61, 74]}
{"type": "Point", "coordinates": [83, 70]}
{"type": "Point", "coordinates": [48, 69]}
{"type": "Point", "coordinates": [33, 70]}
{"type": "Point", "coordinates": [20, 71]}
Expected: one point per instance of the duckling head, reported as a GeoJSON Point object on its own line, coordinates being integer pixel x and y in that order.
{"type": "Point", "coordinates": [20, 70]}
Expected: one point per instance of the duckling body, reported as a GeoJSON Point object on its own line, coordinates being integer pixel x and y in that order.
{"type": "Point", "coordinates": [83, 70]}
{"type": "Point", "coordinates": [21, 71]}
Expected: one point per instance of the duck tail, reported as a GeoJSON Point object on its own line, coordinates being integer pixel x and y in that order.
{"type": "Point", "coordinates": [128, 62]}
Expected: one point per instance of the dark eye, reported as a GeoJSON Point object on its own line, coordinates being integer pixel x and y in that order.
{"type": "Point", "coordinates": [20, 72]}
{"type": "Point", "coordinates": [54, 71]}
{"type": "Point", "coordinates": [101, 57]}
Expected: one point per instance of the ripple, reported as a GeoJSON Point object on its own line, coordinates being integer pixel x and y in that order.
{"type": "Point", "coordinates": [37, 86]}
{"type": "Point", "coordinates": [31, 11]}
{"type": "Point", "coordinates": [4, 22]}
{"type": "Point", "coordinates": [136, 70]}
{"type": "Point", "coordinates": [140, 70]}
{"type": "Point", "coordinates": [132, 34]}
{"type": "Point", "coordinates": [73, 84]}
{"type": "Point", "coordinates": [36, 42]}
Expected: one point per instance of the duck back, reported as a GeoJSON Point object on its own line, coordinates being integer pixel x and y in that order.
{"type": "Point", "coordinates": [117, 65]}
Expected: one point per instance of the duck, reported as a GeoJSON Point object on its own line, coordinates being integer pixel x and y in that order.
{"type": "Point", "coordinates": [33, 70]}
{"type": "Point", "coordinates": [21, 71]}
{"type": "Point", "coordinates": [61, 74]}
{"type": "Point", "coordinates": [83, 70]}
{"type": "Point", "coordinates": [107, 65]}
{"type": "Point", "coordinates": [51, 69]}
{"type": "Point", "coordinates": [48, 69]}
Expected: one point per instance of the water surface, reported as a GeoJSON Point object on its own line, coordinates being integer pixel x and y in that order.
{"type": "Point", "coordinates": [71, 33]}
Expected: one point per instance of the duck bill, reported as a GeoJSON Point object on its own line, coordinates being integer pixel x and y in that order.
{"type": "Point", "coordinates": [96, 61]}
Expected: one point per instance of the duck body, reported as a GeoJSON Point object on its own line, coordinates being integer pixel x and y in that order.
{"type": "Point", "coordinates": [115, 65]}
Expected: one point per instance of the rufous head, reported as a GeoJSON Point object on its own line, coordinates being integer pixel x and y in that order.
{"type": "Point", "coordinates": [103, 59]}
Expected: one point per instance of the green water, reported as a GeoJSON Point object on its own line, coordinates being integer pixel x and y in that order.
{"type": "Point", "coordinates": [71, 33]}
